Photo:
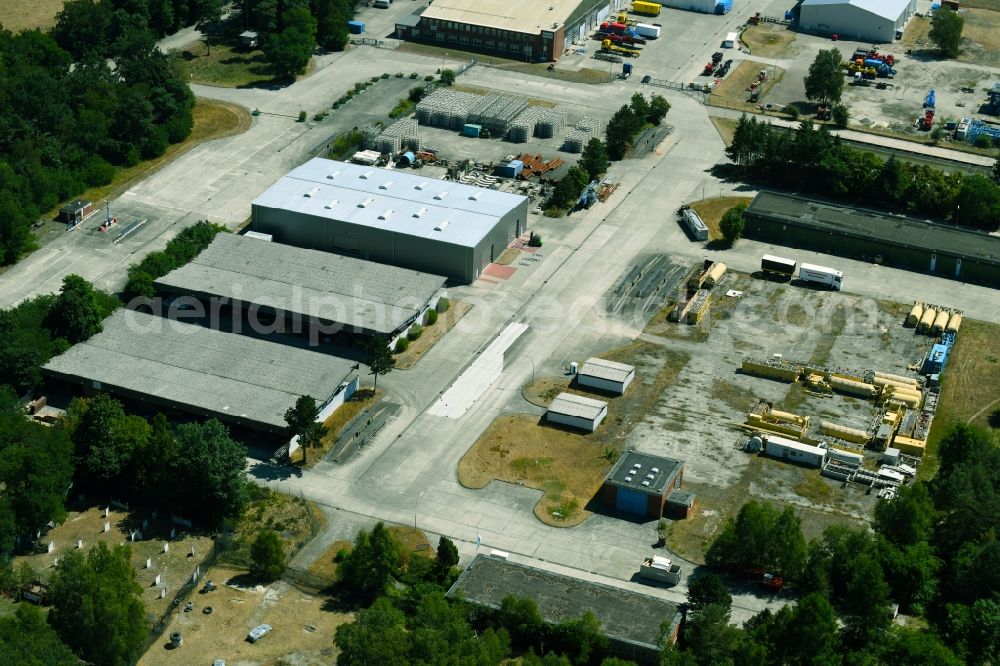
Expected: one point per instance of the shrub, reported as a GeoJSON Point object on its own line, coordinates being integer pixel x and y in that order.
{"type": "Point", "coordinates": [374, 79]}
{"type": "Point", "coordinates": [414, 75]}
{"type": "Point", "coordinates": [267, 556]}
{"type": "Point", "coordinates": [429, 77]}
{"type": "Point", "coordinates": [358, 87]}
{"type": "Point", "coordinates": [416, 94]}
{"type": "Point", "coordinates": [731, 224]}
{"type": "Point", "coordinates": [320, 116]}
{"type": "Point", "coordinates": [399, 75]}
{"type": "Point", "coordinates": [302, 116]}
{"type": "Point", "coordinates": [443, 304]}
{"type": "Point", "coordinates": [431, 317]}
{"type": "Point", "coordinates": [341, 555]}
{"type": "Point", "coordinates": [982, 141]}
{"type": "Point", "coordinates": [447, 77]}
{"type": "Point", "coordinates": [840, 115]}
{"type": "Point", "coordinates": [401, 345]}
{"type": "Point", "coordinates": [792, 111]}
{"type": "Point", "coordinates": [415, 332]}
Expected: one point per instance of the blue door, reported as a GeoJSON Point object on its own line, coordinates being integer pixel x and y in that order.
{"type": "Point", "coordinates": [631, 501]}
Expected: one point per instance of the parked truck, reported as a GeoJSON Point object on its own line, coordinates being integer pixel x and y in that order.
{"type": "Point", "coordinates": [777, 265]}
{"type": "Point", "coordinates": [647, 30]}
{"type": "Point", "coordinates": [821, 275]}
{"type": "Point", "coordinates": [650, 8]}
{"type": "Point", "coordinates": [660, 569]}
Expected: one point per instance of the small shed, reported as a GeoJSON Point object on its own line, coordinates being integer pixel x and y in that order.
{"type": "Point", "coordinates": [75, 212]}
{"type": "Point", "coordinates": [606, 375]}
{"type": "Point", "coordinates": [680, 504]}
{"type": "Point", "coordinates": [512, 169]}
{"type": "Point", "coordinates": [640, 484]}
{"type": "Point", "coordinates": [249, 39]}
{"type": "Point", "coordinates": [577, 411]}
{"type": "Point", "coordinates": [792, 451]}
{"type": "Point", "coordinates": [355, 27]}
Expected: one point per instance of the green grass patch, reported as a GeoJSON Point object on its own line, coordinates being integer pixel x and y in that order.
{"type": "Point", "coordinates": [225, 65]}
{"type": "Point", "coordinates": [404, 108]}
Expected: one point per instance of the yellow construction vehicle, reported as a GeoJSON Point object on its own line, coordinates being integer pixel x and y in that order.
{"type": "Point", "coordinates": [609, 47]}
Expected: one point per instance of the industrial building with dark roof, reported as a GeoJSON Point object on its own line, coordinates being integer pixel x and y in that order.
{"type": "Point", "coordinates": [308, 287]}
{"type": "Point", "coordinates": [641, 484]}
{"type": "Point", "coordinates": [857, 233]}
{"type": "Point", "coordinates": [517, 29]}
{"type": "Point", "coordinates": [393, 217]}
{"type": "Point", "coordinates": [237, 379]}
{"type": "Point", "coordinates": [631, 621]}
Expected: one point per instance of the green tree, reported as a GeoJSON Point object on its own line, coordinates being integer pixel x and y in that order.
{"type": "Point", "coordinates": [659, 107]}
{"type": "Point", "coordinates": [372, 564]}
{"type": "Point", "coordinates": [267, 556]}
{"type": "Point", "coordinates": [447, 554]}
{"type": "Point", "coordinates": [731, 224]}
{"type": "Point", "coordinates": [594, 159]}
{"type": "Point", "coordinates": [919, 648]}
{"type": "Point", "coordinates": [289, 51]}
{"type": "Point", "coordinates": [825, 81]}
{"type": "Point", "coordinates": [907, 519]}
{"type": "Point", "coordinates": [379, 358]}
{"type": "Point", "coordinates": [640, 107]}
{"type": "Point", "coordinates": [619, 132]}
{"type": "Point", "coordinates": [447, 77]}
{"type": "Point", "coordinates": [96, 605]}
{"type": "Point", "coordinates": [760, 538]}
{"type": "Point", "coordinates": [76, 314]}
{"type": "Point", "coordinates": [208, 476]}
{"type": "Point", "coordinates": [946, 31]}
{"type": "Point", "coordinates": [995, 172]}
{"type": "Point", "coordinates": [581, 639]}
{"type": "Point", "coordinates": [708, 590]}
{"type": "Point", "coordinates": [331, 23]}
{"type": "Point", "coordinates": [26, 640]}
{"type": "Point", "coordinates": [104, 437]}
{"type": "Point", "coordinates": [416, 94]}
{"type": "Point", "coordinates": [301, 420]}
{"type": "Point", "coordinates": [841, 115]}
{"type": "Point", "coordinates": [567, 191]}
{"type": "Point", "coordinates": [520, 617]}
{"type": "Point", "coordinates": [710, 638]}
{"type": "Point", "coordinates": [377, 636]}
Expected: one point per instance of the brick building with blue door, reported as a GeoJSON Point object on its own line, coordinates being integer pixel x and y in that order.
{"type": "Point", "coordinates": [641, 484]}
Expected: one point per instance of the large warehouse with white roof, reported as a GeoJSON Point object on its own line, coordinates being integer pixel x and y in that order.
{"type": "Point", "coordinates": [392, 217]}
{"type": "Point", "coordinates": [237, 379]}
{"type": "Point", "coordinates": [865, 20]}
{"type": "Point", "coordinates": [311, 291]}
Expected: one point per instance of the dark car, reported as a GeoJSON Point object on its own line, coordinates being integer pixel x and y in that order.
{"type": "Point", "coordinates": [647, 78]}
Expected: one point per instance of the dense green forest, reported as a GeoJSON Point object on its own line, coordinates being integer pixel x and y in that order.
{"type": "Point", "coordinates": [934, 551]}
{"type": "Point", "coordinates": [77, 104]}
{"type": "Point", "coordinates": [814, 161]}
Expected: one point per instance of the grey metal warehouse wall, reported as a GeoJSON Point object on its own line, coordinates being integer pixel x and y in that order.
{"type": "Point", "coordinates": [895, 252]}
{"type": "Point", "coordinates": [457, 262]}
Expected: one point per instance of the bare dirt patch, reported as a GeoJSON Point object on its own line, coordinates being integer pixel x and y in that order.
{"type": "Point", "coordinates": [915, 33]}
{"type": "Point", "coordinates": [445, 322]}
{"type": "Point", "coordinates": [508, 256]}
{"type": "Point", "coordinates": [732, 93]}
{"type": "Point", "coordinates": [711, 211]}
{"type": "Point", "coordinates": [18, 15]}
{"type": "Point", "coordinates": [726, 127]}
{"type": "Point", "coordinates": [768, 40]}
{"type": "Point", "coordinates": [303, 625]}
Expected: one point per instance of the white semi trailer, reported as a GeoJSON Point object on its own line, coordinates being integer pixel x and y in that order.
{"type": "Point", "coordinates": [661, 569]}
{"type": "Point", "coordinates": [821, 275]}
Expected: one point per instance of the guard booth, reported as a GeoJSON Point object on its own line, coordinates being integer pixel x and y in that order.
{"type": "Point", "coordinates": [75, 212]}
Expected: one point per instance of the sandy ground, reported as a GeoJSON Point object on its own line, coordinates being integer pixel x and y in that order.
{"type": "Point", "coordinates": [304, 626]}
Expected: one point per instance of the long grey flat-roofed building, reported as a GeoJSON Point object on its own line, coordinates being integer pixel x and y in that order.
{"type": "Point", "coordinates": [631, 621]}
{"type": "Point", "coordinates": [867, 20]}
{"type": "Point", "coordinates": [237, 379]}
{"type": "Point", "coordinates": [858, 233]}
{"type": "Point", "coordinates": [307, 286]}
{"type": "Point", "coordinates": [394, 217]}
{"type": "Point", "coordinates": [577, 411]}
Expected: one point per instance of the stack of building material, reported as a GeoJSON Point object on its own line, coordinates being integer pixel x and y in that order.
{"type": "Point", "coordinates": [446, 108]}
{"type": "Point", "coordinates": [524, 125]}
{"type": "Point", "coordinates": [401, 134]}
{"type": "Point", "coordinates": [496, 112]}
{"type": "Point", "coordinates": [586, 129]}
{"type": "Point", "coordinates": [551, 122]}
{"type": "Point", "coordinates": [371, 132]}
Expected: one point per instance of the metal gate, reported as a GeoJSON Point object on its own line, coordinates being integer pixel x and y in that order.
{"type": "Point", "coordinates": [631, 501]}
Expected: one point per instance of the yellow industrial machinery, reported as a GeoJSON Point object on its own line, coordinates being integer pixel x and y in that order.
{"type": "Point", "coordinates": [843, 432]}
{"type": "Point", "coordinates": [926, 320]}
{"type": "Point", "coordinates": [762, 417]}
{"type": "Point", "coordinates": [898, 378]}
{"type": "Point", "coordinates": [916, 313]}
{"type": "Point", "coordinates": [714, 274]}
{"type": "Point", "coordinates": [610, 47]}
{"type": "Point", "coordinates": [772, 368]}
{"type": "Point", "coordinates": [853, 386]}
{"type": "Point", "coordinates": [954, 322]}
{"type": "Point", "coordinates": [940, 322]}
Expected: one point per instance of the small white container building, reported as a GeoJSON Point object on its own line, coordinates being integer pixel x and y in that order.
{"type": "Point", "coordinates": [577, 411]}
{"type": "Point", "coordinates": [605, 375]}
{"type": "Point", "coordinates": [730, 41]}
{"type": "Point", "coordinates": [792, 451]}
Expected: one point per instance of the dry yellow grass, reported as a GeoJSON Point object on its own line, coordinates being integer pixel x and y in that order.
{"type": "Point", "coordinates": [726, 127]}
{"type": "Point", "coordinates": [982, 26]}
{"type": "Point", "coordinates": [915, 33]}
{"type": "Point", "coordinates": [768, 40]}
{"type": "Point", "coordinates": [446, 321]}
{"type": "Point", "coordinates": [711, 211]}
{"type": "Point", "coordinates": [732, 92]}
{"type": "Point", "coordinates": [17, 15]}
{"type": "Point", "coordinates": [967, 386]}
{"type": "Point", "coordinates": [325, 566]}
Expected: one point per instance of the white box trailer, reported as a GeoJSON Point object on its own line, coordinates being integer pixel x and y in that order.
{"type": "Point", "coordinates": [827, 277]}
{"type": "Point", "coordinates": [661, 569]}
{"type": "Point", "coordinates": [647, 30]}
{"type": "Point", "coordinates": [730, 41]}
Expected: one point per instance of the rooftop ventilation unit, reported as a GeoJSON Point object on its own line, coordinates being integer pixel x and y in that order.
{"type": "Point", "coordinates": [441, 195]}
{"type": "Point", "coordinates": [367, 202]}
{"type": "Point", "coordinates": [650, 476]}
{"type": "Point", "coordinates": [475, 196]}
{"type": "Point", "coordinates": [386, 215]}
{"type": "Point", "coordinates": [441, 226]}
{"type": "Point", "coordinates": [311, 193]}
{"type": "Point", "coordinates": [655, 470]}
{"type": "Point", "coordinates": [637, 466]}
{"type": "Point", "coordinates": [645, 483]}
{"type": "Point", "coordinates": [331, 176]}
{"type": "Point", "coordinates": [386, 185]}
{"type": "Point", "coordinates": [366, 175]}
{"type": "Point", "coordinates": [333, 202]}
{"type": "Point", "coordinates": [628, 479]}
{"type": "Point", "coordinates": [421, 185]}
{"type": "Point", "coordinates": [420, 213]}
